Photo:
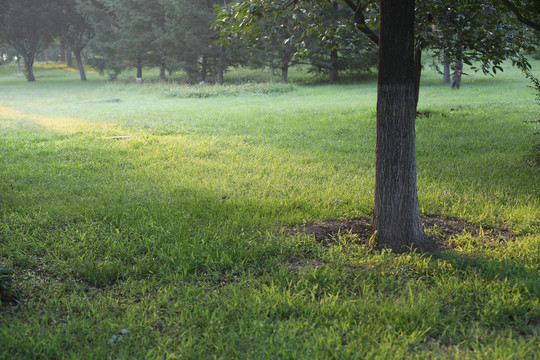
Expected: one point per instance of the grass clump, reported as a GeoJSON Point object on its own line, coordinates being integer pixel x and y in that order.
{"type": "Point", "coordinates": [7, 293]}
{"type": "Point", "coordinates": [211, 90]}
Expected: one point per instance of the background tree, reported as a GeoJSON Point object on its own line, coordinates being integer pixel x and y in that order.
{"type": "Point", "coordinates": [76, 32]}
{"type": "Point", "coordinates": [28, 26]}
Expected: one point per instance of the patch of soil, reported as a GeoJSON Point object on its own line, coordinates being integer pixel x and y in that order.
{"type": "Point", "coordinates": [361, 230]}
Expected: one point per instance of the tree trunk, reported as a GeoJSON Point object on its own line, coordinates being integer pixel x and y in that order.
{"type": "Point", "coordinates": [417, 75]}
{"type": "Point", "coordinates": [18, 64]}
{"type": "Point", "coordinates": [334, 72]}
{"type": "Point", "coordinates": [69, 58]}
{"type": "Point", "coordinates": [456, 76]}
{"type": "Point", "coordinates": [139, 69]}
{"type": "Point", "coordinates": [446, 69]}
{"type": "Point", "coordinates": [221, 65]}
{"type": "Point", "coordinates": [80, 66]}
{"type": "Point", "coordinates": [62, 50]}
{"type": "Point", "coordinates": [29, 68]}
{"type": "Point", "coordinates": [204, 68]}
{"type": "Point", "coordinates": [162, 72]}
{"type": "Point", "coordinates": [397, 214]}
{"type": "Point", "coordinates": [446, 74]}
{"type": "Point", "coordinates": [285, 67]}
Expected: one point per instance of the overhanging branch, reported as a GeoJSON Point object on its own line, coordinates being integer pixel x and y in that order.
{"type": "Point", "coordinates": [520, 16]}
{"type": "Point", "coordinates": [360, 20]}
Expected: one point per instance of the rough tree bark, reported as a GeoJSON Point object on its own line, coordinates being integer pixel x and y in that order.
{"type": "Point", "coordinates": [397, 219]}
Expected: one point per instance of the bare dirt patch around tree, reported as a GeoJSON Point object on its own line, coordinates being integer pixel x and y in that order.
{"type": "Point", "coordinates": [361, 230]}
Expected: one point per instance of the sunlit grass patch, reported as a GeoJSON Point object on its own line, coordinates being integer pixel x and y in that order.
{"type": "Point", "coordinates": [51, 123]}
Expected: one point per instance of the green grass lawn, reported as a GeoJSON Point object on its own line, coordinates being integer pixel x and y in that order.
{"type": "Point", "coordinates": [167, 244]}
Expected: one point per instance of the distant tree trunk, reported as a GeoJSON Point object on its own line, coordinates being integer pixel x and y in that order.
{"type": "Point", "coordinates": [446, 68]}
{"type": "Point", "coordinates": [417, 75]}
{"type": "Point", "coordinates": [334, 72]}
{"type": "Point", "coordinates": [69, 59]}
{"type": "Point", "coordinates": [80, 66]}
{"type": "Point", "coordinates": [204, 68]}
{"type": "Point", "coordinates": [221, 65]}
{"type": "Point", "coordinates": [62, 50]}
{"type": "Point", "coordinates": [446, 73]}
{"type": "Point", "coordinates": [139, 68]}
{"type": "Point", "coordinates": [162, 72]}
{"type": "Point", "coordinates": [456, 76]}
{"type": "Point", "coordinates": [285, 57]}
{"type": "Point", "coordinates": [18, 64]}
{"type": "Point", "coordinates": [397, 214]}
{"type": "Point", "coordinates": [29, 68]}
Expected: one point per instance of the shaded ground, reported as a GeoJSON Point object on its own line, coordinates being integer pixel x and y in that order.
{"type": "Point", "coordinates": [361, 230]}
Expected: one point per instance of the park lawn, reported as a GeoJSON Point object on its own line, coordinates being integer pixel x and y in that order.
{"type": "Point", "coordinates": [175, 241]}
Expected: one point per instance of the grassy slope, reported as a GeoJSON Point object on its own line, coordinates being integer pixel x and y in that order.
{"type": "Point", "coordinates": [170, 234]}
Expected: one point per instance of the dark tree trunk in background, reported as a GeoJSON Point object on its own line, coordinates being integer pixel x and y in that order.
{"type": "Point", "coordinates": [456, 76]}
{"type": "Point", "coordinates": [139, 69]}
{"type": "Point", "coordinates": [29, 68]}
{"type": "Point", "coordinates": [221, 65]}
{"type": "Point", "coordinates": [446, 74]}
{"type": "Point", "coordinates": [446, 69]}
{"type": "Point", "coordinates": [18, 64]}
{"type": "Point", "coordinates": [204, 68]}
{"type": "Point", "coordinates": [62, 50]}
{"type": "Point", "coordinates": [334, 72]}
{"type": "Point", "coordinates": [162, 72]}
{"type": "Point", "coordinates": [80, 66]}
{"type": "Point", "coordinates": [285, 57]}
{"type": "Point", "coordinates": [69, 58]}
{"type": "Point", "coordinates": [397, 214]}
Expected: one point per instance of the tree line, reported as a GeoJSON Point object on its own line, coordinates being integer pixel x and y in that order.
{"type": "Point", "coordinates": [206, 37]}
{"type": "Point", "coordinates": [168, 34]}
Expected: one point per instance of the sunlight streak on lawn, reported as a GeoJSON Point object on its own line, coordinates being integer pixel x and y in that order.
{"type": "Point", "coordinates": [65, 125]}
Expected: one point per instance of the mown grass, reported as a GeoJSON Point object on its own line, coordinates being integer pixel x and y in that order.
{"type": "Point", "coordinates": [166, 244]}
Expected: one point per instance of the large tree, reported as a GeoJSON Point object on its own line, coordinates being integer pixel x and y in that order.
{"type": "Point", "coordinates": [28, 26]}
{"type": "Point", "coordinates": [397, 213]}
{"type": "Point", "coordinates": [468, 30]}
{"type": "Point", "coordinates": [76, 32]}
